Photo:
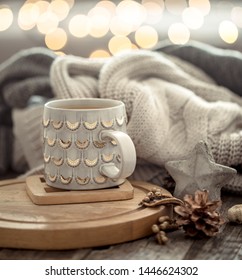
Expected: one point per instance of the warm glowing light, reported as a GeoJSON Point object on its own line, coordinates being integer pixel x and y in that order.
{"type": "Point", "coordinates": [43, 6]}
{"type": "Point", "coordinates": [108, 5]}
{"type": "Point", "coordinates": [159, 2]}
{"type": "Point", "coordinates": [119, 43]}
{"type": "Point", "coordinates": [79, 26]}
{"type": "Point", "coordinates": [56, 40]}
{"type": "Point", "coordinates": [192, 18]}
{"type": "Point", "coordinates": [99, 22]}
{"type": "Point", "coordinates": [134, 47]}
{"type": "Point", "coordinates": [131, 12]}
{"type": "Point", "coordinates": [175, 7]}
{"type": "Point", "coordinates": [228, 31]}
{"type": "Point", "coordinates": [47, 22]}
{"type": "Point", "coordinates": [154, 11]}
{"type": "Point", "coordinates": [146, 37]}
{"type": "Point", "coordinates": [202, 5]}
{"type": "Point", "coordinates": [120, 27]}
{"type": "Point", "coordinates": [28, 16]}
{"type": "Point", "coordinates": [60, 53]}
{"type": "Point", "coordinates": [6, 18]}
{"type": "Point", "coordinates": [70, 3]}
{"type": "Point", "coordinates": [60, 8]}
{"type": "Point", "coordinates": [99, 54]}
{"type": "Point", "coordinates": [236, 16]}
{"type": "Point", "coordinates": [178, 33]}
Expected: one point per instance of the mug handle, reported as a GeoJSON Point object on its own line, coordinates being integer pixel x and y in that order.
{"type": "Point", "coordinates": [127, 152]}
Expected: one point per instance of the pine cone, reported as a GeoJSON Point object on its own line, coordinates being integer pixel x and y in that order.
{"type": "Point", "coordinates": [198, 215]}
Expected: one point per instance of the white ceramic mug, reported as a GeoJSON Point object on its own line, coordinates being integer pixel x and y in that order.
{"type": "Point", "coordinates": [85, 144]}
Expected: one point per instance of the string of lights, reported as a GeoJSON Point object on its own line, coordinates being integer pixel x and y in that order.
{"type": "Point", "coordinates": [123, 25]}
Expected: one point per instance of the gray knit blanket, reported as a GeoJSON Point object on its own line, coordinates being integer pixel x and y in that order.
{"type": "Point", "coordinates": [175, 96]}
{"type": "Point", "coordinates": [223, 65]}
{"type": "Point", "coordinates": [24, 79]}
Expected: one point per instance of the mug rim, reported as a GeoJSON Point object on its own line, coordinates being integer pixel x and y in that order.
{"type": "Point", "coordinates": [105, 104]}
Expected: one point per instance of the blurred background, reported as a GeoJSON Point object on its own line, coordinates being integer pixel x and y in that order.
{"type": "Point", "coordinates": [104, 28]}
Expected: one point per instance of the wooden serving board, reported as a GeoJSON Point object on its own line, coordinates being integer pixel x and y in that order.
{"type": "Point", "coordinates": [24, 224]}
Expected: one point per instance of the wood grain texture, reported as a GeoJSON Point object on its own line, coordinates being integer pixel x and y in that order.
{"type": "Point", "coordinates": [26, 225]}
{"type": "Point", "coordinates": [226, 246]}
{"type": "Point", "coordinates": [42, 194]}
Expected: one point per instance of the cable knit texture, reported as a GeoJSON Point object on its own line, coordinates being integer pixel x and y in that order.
{"type": "Point", "coordinates": [223, 65]}
{"type": "Point", "coordinates": [25, 74]}
{"type": "Point", "coordinates": [169, 108]}
{"type": "Point", "coordinates": [171, 105]}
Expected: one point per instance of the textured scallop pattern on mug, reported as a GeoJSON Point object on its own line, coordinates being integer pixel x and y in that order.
{"type": "Point", "coordinates": [73, 150]}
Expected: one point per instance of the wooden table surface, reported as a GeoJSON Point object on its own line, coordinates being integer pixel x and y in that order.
{"type": "Point", "coordinates": [227, 245]}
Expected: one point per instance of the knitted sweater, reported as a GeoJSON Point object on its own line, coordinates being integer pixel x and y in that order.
{"type": "Point", "coordinates": [225, 67]}
{"type": "Point", "coordinates": [168, 108]}
{"type": "Point", "coordinates": [214, 61]}
{"type": "Point", "coordinates": [171, 105]}
{"type": "Point", "coordinates": [22, 76]}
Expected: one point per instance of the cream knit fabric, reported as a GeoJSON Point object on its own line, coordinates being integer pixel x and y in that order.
{"type": "Point", "coordinates": [171, 105]}
{"type": "Point", "coordinates": [28, 131]}
{"type": "Point", "coordinates": [167, 107]}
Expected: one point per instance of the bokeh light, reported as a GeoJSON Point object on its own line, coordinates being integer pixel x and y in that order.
{"type": "Point", "coordinates": [42, 5]}
{"type": "Point", "coordinates": [134, 47]}
{"type": "Point", "coordinates": [70, 3]}
{"type": "Point", "coordinates": [228, 31]}
{"type": "Point", "coordinates": [133, 24]}
{"type": "Point", "coordinates": [154, 11]}
{"type": "Point", "coordinates": [99, 54]}
{"type": "Point", "coordinates": [176, 7]}
{"type": "Point", "coordinates": [203, 6]}
{"type": "Point", "coordinates": [56, 40]}
{"type": "Point", "coordinates": [118, 44]}
{"type": "Point", "coordinates": [60, 8]}
{"type": "Point", "coordinates": [146, 37]}
{"type": "Point", "coordinates": [6, 18]}
{"type": "Point", "coordinates": [132, 12]}
{"type": "Point", "coordinates": [28, 16]}
{"type": "Point", "coordinates": [120, 27]}
{"type": "Point", "coordinates": [192, 18]}
{"type": "Point", "coordinates": [159, 2]}
{"type": "Point", "coordinates": [60, 53]}
{"type": "Point", "coordinates": [99, 21]}
{"type": "Point", "coordinates": [47, 22]}
{"type": "Point", "coordinates": [79, 26]}
{"type": "Point", "coordinates": [108, 5]}
{"type": "Point", "coordinates": [236, 16]}
{"type": "Point", "coordinates": [178, 33]}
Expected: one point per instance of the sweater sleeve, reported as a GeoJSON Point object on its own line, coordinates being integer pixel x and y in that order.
{"type": "Point", "coordinates": [223, 65]}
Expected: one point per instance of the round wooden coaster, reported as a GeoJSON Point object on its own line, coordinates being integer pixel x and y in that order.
{"type": "Point", "coordinates": [24, 224]}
